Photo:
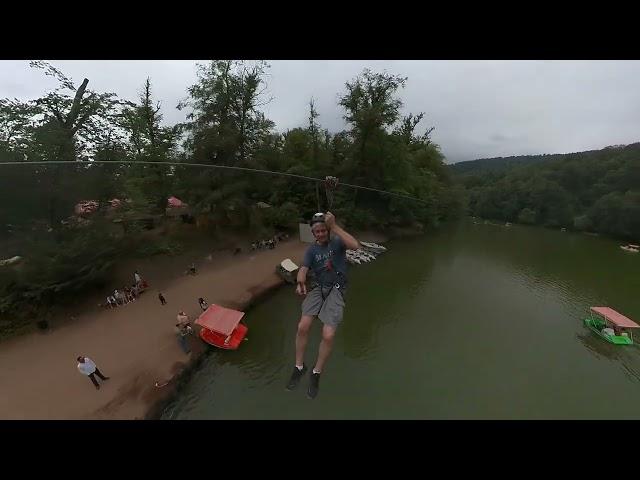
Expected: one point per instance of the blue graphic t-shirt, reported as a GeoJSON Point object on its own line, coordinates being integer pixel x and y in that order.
{"type": "Point", "coordinates": [328, 262]}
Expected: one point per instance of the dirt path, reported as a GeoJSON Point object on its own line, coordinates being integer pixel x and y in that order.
{"type": "Point", "coordinates": [133, 344]}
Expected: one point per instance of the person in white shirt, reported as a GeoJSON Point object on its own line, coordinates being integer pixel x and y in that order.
{"type": "Point", "coordinates": [111, 301]}
{"type": "Point", "coordinates": [182, 318]}
{"type": "Point", "coordinates": [87, 367]}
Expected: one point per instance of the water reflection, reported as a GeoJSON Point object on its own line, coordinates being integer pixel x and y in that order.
{"type": "Point", "coordinates": [482, 320]}
{"type": "Point", "coordinates": [627, 356]}
{"type": "Point", "coordinates": [380, 293]}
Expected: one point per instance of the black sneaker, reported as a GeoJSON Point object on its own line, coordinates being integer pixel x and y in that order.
{"type": "Point", "coordinates": [296, 375]}
{"type": "Point", "coordinates": [314, 385]}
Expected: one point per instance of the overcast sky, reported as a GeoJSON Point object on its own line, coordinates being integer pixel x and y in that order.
{"type": "Point", "coordinates": [479, 108]}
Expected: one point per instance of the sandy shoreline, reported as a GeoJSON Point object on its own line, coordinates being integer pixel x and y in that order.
{"type": "Point", "coordinates": [135, 345]}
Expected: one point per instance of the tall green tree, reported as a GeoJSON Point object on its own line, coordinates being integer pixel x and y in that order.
{"type": "Point", "coordinates": [371, 106]}
{"type": "Point", "coordinates": [149, 141]}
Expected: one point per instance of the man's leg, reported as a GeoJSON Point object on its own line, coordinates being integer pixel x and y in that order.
{"type": "Point", "coordinates": [102, 377]}
{"type": "Point", "coordinates": [310, 308]}
{"type": "Point", "coordinates": [331, 316]}
{"type": "Point", "coordinates": [183, 343]}
{"type": "Point", "coordinates": [301, 337]}
{"type": "Point", "coordinates": [94, 381]}
{"type": "Point", "coordinates": [328, 334]}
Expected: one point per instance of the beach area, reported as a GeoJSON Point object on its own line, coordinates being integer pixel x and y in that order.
{"type": "Point", "coordinates": [135, 344]}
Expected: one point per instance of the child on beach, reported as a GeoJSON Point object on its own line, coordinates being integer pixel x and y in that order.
{"type": "Point", "coordinates": [203, 304]}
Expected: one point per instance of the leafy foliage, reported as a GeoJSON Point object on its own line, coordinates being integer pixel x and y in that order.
{"type": "Point", "coordinates": [67, 253]}
{"type": "Point", "coordinates": [594, 191]}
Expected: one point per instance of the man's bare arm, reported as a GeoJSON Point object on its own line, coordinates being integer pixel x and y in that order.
{"type": "Point", "coordinates": [349, 240]}
{"type": "Point", "coordinates": [302, 274]}
{"type": "Point", "coordinates": [301, 287]}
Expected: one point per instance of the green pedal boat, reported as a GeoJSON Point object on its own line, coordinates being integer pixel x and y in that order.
{"type": "Point", "coordinates": [611, 325]}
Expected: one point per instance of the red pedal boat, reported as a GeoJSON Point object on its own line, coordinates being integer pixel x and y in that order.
{"type": "Point", "coordinates": [221, 327]}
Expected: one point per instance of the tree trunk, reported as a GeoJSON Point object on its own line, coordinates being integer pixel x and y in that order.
{"type": "Point", "coordinates": [75, 109]}
{"type": "Point", "coordinates": [243, 119]}
{"type": "Point", "coordinates": [53, 197]}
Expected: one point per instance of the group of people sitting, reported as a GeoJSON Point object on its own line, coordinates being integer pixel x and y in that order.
{"type": "Point", "coordinates": [613, 330]}
{"type": "Point", "coordinates": [127, 294]}
{"type": "Point", "coordinates": [270, 243]}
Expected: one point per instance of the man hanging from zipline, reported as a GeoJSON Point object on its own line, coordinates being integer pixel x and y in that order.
{"type": "Point", "coordinates": [328, 262]}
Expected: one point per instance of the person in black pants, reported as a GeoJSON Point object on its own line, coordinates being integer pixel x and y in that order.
{"type": "Point", "coordinates": [203, 304]}
{"type": "Point", "coordinates": [161, 297]}
{"type": "Point", "coordinates": [87, 367]}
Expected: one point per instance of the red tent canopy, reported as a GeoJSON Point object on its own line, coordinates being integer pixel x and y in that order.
{"type": "Point", "coordinates": [615, 317]}
{"type": "Point", "coordinates": [175, 202]}
{"type": "Point", "coordinates": [220, 319]}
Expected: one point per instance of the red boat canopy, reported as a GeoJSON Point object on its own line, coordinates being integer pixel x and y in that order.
{"type": "Point", "coordinates": [175, 202]}
{"type": "Point", "coordinates": [615, 317]}
{"type": "Point", "coordinates": [220, 319]}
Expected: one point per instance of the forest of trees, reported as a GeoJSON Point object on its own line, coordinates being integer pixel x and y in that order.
{"type": "Point", "coordinates": [224, 125]}
{"type": "Point", "coordinates": [595, 191]}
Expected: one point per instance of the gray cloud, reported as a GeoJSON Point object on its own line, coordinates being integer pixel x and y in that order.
{"type": "Point", "coordinates": [498, 137]}
{"type": "Point", "coordinates": [479, 108]}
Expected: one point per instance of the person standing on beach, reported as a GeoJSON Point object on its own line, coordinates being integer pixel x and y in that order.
{"type": "Point", "coordinates": [111, 302]}
{"type": "Point", "coordinates": [182, 318]}
{"type": "Point", "coordinates": [203, 304]}
{"type": "Point", "coordinates": [161, 298]}
{"type": "Point", "coordinates": [182, 330]}
{"type": "Point", "coordinates": [327, 260]}
{"type": "Point", "coordinates": [87, 367]}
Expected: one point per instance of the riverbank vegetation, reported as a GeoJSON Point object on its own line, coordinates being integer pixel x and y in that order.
{"type": "Point", "coordinates": [71, 223]}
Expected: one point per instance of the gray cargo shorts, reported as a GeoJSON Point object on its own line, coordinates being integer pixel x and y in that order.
{"type": "Point", "coordinates": [326, 303]}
